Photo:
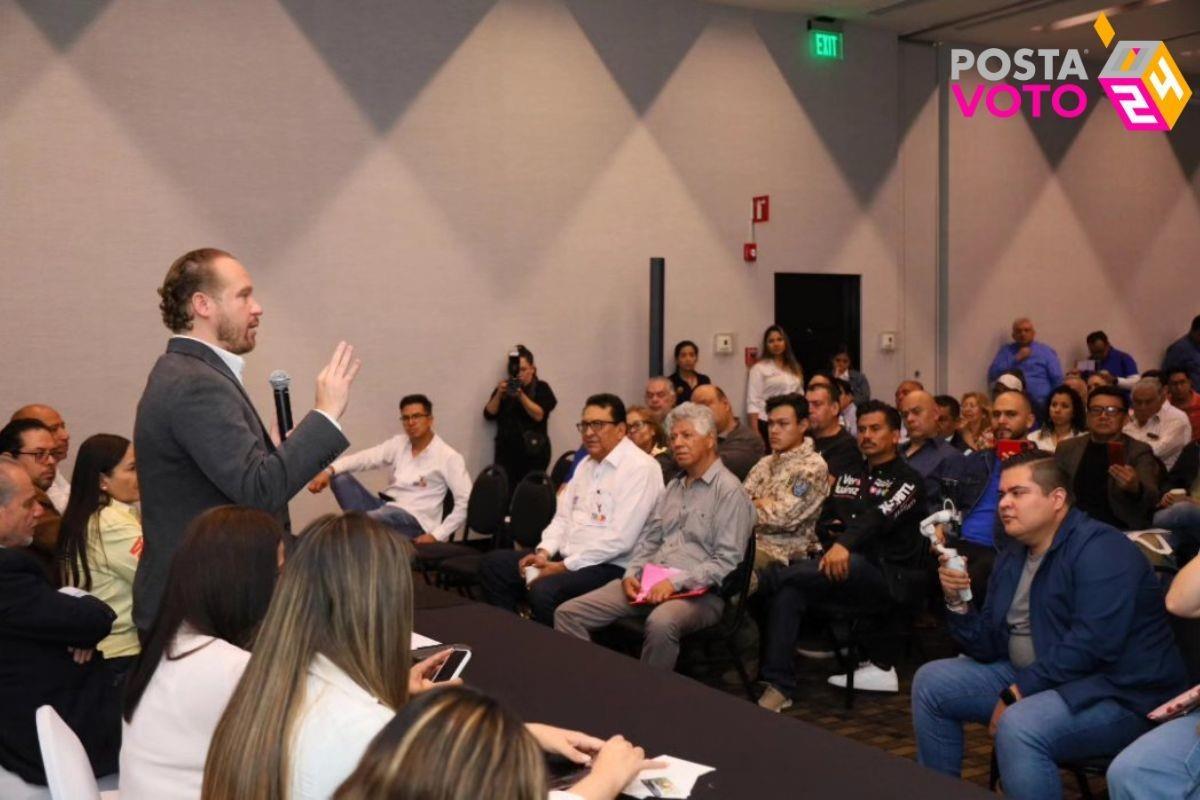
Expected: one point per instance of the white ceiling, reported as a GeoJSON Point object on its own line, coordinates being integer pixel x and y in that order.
{"type": "Point", "coordinates": [1015, 23]}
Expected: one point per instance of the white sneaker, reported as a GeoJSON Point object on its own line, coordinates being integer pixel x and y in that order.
{"type": "Point", "coordinates": [870, 678]}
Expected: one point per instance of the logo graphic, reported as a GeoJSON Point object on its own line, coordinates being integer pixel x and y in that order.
{"type": "Point", "coordinates": [1141, 79]}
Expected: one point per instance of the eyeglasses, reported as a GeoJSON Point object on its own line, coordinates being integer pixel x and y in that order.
{"type": "Point", "coordinates": [1108, 411]}
{"type": "Point", "coordinates": [634, 427]}
{"type": "Point", "coordinates": [43, 456]}
{"type": "Point", "coordinates": [595, 426]}
{"type": "Point", "coordinates": [407, 418]}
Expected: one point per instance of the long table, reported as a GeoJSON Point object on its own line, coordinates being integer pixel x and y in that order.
{"type": "Point", "coordinates": [547, 677]}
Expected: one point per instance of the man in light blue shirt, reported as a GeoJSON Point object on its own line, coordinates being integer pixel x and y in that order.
{"type": "Point", "coordinates": [1037, 361]}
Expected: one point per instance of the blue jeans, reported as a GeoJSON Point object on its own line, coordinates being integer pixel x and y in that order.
{"type": "Point", "coordinates": [351, 495]}
{"type": "Point", "coordinates": [1182, 519]}
{"type": "Point", "coordinates": [1033, 736]}
{"type": "Point", "coordinates": [1163, 763]}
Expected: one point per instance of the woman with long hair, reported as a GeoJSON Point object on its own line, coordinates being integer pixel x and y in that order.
{"type": "Point", "coordinates": [685, 378]}
{"type": "Point", "coordinates": [975, 422]}
{"type": "Point", "coordinates": [777, 372]}
{"type": "Point", "coordinates": [100, 537]}
{"type": "Point", "coordinates": [220, 585]}
{"type": "Point", "coordinates": [331, 666]}
{"type": "Point", "coordinates": [457, 743]}
{"type": "Point", "coordinates": [1065, 417]}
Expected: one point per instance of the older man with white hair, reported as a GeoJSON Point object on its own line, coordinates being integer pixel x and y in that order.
{"type": "Point", "coordinates": [695, 536]}
{"type": "Point", "coordinates": [1158, 423]}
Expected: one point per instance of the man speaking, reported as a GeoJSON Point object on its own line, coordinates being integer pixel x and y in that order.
{"type": "Point", "coordinates": [198, 439]}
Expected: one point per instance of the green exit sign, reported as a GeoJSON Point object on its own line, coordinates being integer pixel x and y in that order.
{"type": "Point", "coordinates": [826, 44]}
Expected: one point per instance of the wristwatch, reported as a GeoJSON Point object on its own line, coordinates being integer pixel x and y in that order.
{"type": "Point", "coordinates": [1009, 696]}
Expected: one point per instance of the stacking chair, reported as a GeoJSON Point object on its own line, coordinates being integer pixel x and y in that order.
{"type": "Point", "coordinates": [68, 770]}
{"type": "Point", "coordinates": [485, 515]}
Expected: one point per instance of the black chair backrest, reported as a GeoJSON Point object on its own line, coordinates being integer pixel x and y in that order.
{"type": "Point", "coordinates": [447, 504]}
{"type": "Point", "coordinates": [558, 473]}
{"type": "Point", "coordinates": [533, 505]}
{"type": "Point", "coordinates": [736, 584]}
{"type": "Point", "coordinates": [485, 507]}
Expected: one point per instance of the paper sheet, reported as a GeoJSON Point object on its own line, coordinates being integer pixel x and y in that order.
{"type": "Point", "coordinates": [419, 641]}
{"type": "Point", "coordinates": [682, 775]}
{"type": "Point", "coordinates": [652, 574]}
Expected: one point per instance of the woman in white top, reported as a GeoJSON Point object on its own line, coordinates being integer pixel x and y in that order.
{"type": "Point", "coordinates": [330, 668]}
{"type": "Point", "coordinates": [777, 372]}
{"type": "Point", "coordinates": [220, 585]}
{"type": "Point", "coordinates": [458, 743]}
{"type": "Point", "coordinates": [1065, 418]}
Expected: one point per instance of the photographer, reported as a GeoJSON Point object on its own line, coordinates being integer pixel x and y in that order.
{"type": "Point", "coordinates": [521, 405]}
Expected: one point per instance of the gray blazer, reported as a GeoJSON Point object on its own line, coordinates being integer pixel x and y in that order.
{"type": "Point", "coordinates": [1134, 511]}
{"type": "Point", "coordinates": [200, 444]}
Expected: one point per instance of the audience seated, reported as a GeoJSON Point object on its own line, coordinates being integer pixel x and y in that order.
{"type": "Point", "coordinates": [331, 666]}
{"type": "Point", "coordinates": [458, 743]}
{"type": "Point", "coordinates": [1114, 478]}
{"type": "Point", "coordinates": [685, 378]}
{"type": "Point", "coordinates": [905, 388]}
{"type": "Point", "coordinates": [738, 445]}
{"type": "Point", "coordinates": [698, 529]}
{"type": "Point", "coordinates": [860, 387]}
{"type": "Point", "coordinates": [650, 436]}
{"type": "Point", "coordinates": [949, 415]}
{"type": "Point", "coordinates": [1179, 509]}
{"type": "Point", "coordinates": [976, 425]}
{"type": "Point", "coordinates": [973, 483]}
{"type": "Point", "coordinates": [1185, 353]}
{"type": "Point", "coordinates": [869, 529]}
{"type": "Point", "coordinates": [1116, 362]}
{"type": "Point", "coordinates": [1038, 362]}
{"type": "Point", "coordinates": [32, 445]}
{"type": "Point", "coordinates": [1158, 423]}
{"type": "Point", "coordinates": [196, 650]}
{"type": "Point", "coordinates": [47, 643]}
{"type": "Point", "coordinates": [60, 490]}
{"type": "Point", "coordinates": [598, 519]}
{"type": "Point", "coordinates": [1162, 762]}
{"type": "Point", "coordinates": [776, 372]}
{"type": "Point", "coordinates": [1098, 379]}
{"type": "Point", "coordinates": [1065, 417]}
{"type": "Point", "coordinates": [1075, 381]}
{"type": "Point", "coordinates": [100, 538]}
{"type": "Point", "coordinates": [1011, 380]}
{"type": "Point", "coordinates": [660, 397]}
{"type": "Point", "coordinates": [1184, 397]}
{"type": "Point", "coordinates": [1068, 654]}
{"type": "Point", "coordinates": [926, 451]}
{"type": "Point", "coordinates": [788, 487]}
{"type": "Point", "coordinates": [424, 468]}
{"type": "Point", "coordinates": [847, 410]}
{"type": "Point", "coordinates": [831, 441]}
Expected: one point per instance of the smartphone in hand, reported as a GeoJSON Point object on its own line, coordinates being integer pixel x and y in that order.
{"type": "Point", "coordinates": [453, 666]}
{"type": "Point", "coordinates": [1116, 454]}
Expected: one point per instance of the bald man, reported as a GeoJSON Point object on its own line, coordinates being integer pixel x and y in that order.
{"type": "Point", "coordinates": [925, 450]}
{"type": "Point", "coordinates": [59, 491]}
{"type": "Point", "coordinates": [1038, 362]}
{"type": "Point", "coordinates": [660, 397]}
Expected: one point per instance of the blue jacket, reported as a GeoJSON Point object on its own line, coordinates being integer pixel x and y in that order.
{"type": "Point", "coordinates": [1042, 369]}
{"type": "Point", "coordinates": [964, 481]}
{"type": "Point", "coordinates": [1099, 622]}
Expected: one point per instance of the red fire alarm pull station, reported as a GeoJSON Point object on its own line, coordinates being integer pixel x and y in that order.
{"type": "Point", "coordinates": [762, 208]}
{"type": "Point", "coordinates": [750, 251]}
{"type": "Point", "coordinates": [751, 356]}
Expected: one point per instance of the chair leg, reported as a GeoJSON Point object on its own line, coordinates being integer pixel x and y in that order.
{"type": "Point", "coordinates": [994, 772]}
{"type": "Point", "coordinates": [747, 686]}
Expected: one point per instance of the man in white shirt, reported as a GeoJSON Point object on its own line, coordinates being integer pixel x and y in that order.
{"type": "Point", "coordinates": [599, 516]}
{"type": "Point", "coordinates": [59, 491]}
{"type": "Point", "coordinates": [423, 468]}
{"type": "Point", "coordinates": [1158, 423]}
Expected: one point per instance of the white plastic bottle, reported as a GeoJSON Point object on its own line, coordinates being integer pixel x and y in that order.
{"type": "Point", "coordinates": [955, 561]}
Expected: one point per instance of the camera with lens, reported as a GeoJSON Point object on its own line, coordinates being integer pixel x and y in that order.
{"type": "Point", "coordinates": [514, 371]}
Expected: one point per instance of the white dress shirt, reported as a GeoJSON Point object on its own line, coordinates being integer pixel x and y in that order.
{"type": "Point", "coordinates": [767, 380]}
{"type": "Point", "coordinates": [59, 492]}
{"type": "Point", "coordinates": [419, 483]}
{"type": "Point", "coordinates": [163, 750]}
{"type": "Point", "coordinates": [1167, 433]}
{"type": "Point", "coordinates": [600, 514]}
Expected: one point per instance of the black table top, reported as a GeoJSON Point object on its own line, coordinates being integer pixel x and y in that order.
{"type": "Point", "coordinates": [548, 677]}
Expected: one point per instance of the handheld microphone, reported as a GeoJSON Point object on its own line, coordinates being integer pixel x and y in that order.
{"type": "Point", "coordinates": [280, 382]}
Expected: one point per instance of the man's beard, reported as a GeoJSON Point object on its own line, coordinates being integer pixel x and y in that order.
{"type": "Point", "coordinates": [233, 340]}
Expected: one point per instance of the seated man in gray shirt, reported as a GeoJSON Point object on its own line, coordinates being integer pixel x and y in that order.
{"type": "Point", "coordinates": [699, 528]}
